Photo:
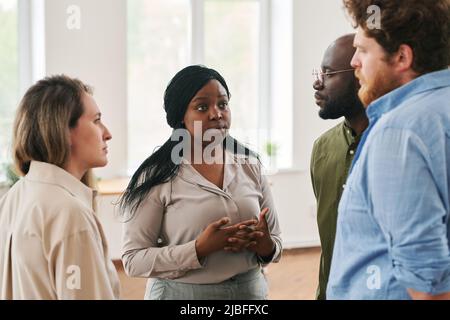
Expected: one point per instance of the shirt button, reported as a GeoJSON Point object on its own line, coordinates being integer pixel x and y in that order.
{"type": "Point", "coordinates": [343, 187]}
{"type": "Point", "coordinates": [352, 152]}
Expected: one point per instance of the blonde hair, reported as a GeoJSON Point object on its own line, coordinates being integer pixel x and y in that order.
{"type": "Point", "coordinates": [41, 129]}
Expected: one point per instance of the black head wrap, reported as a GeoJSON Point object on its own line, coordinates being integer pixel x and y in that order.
{"type": "Point", "coordinates": [183, 88]}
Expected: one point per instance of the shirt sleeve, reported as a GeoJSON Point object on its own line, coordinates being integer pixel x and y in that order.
{"type": "Point", "coordinates": [80, 270]}
{"type": "Point", "coordinates": [272, 220]}
{"type": "Point", "coordinates": [408, 205]}
{"type": "Point", "coordinates": [142, 257]}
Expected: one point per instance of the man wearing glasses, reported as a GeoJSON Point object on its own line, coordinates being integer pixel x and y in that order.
{"type": "Point", "coordinates": [337, 96]}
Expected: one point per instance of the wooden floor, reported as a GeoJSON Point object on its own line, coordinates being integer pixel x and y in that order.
{"type": "Point", "coordinates": [295, 277]}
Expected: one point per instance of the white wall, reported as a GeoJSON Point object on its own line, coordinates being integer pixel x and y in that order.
{"type": "Point", "coordinates": [108, 214]}
{"type": "Point", "coordinates": [316, 24]}
{"type": "Point", "coordinates": [97, 54]}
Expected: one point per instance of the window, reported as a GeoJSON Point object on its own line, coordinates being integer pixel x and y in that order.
{"type": "Point", "coordinates": [232, 36]}
{"type": "Point", "coordinates": [158, 47]}
{"type": "Point", "coordinates": [237, 58]}
{"type": "Point", "coordinates": [9, 77]}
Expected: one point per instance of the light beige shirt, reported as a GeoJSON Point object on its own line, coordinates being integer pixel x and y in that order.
{"type": "Point", "coordinates": [52, 245]}
{"type": "Point", "coordinates": [159, 242]}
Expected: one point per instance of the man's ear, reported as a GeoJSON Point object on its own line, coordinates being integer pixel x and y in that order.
{"type": "Point", "coordinates": [404, 58]}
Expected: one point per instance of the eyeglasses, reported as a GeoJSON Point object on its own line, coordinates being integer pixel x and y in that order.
{"type": "Point", "coordinates": [319, 75]}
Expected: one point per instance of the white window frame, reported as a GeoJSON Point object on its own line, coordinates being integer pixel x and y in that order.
{"type": "Point", "coordinates": [31, 46]}
{"type": "Point", "coordinates": [265, 59]}
{"type": "Point", "coordinates": [31, 42]}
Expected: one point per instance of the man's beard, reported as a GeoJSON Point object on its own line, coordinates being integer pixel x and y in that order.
{"type": "Point", "coordinates": [340, 107]}
{"type": "Point", "coordinates": [383, 83]}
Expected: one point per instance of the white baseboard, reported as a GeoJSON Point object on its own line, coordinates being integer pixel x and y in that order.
{"type": "Point", "coordinates": [300, 244]}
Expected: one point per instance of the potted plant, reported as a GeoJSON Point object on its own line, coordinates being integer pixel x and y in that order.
{"type": "Point", "coordinates": [271, 150]}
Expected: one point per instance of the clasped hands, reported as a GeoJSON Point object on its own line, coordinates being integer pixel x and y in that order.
{"type": "Point", "coordinates": [250, 235]}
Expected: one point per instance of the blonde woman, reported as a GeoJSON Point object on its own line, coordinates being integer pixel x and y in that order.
{"type": "Point", "coordinates": [51, 244]}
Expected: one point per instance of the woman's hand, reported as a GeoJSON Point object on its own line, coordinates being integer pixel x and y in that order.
{"type": "Point", "coordinates": [244, 237]}
{"type": "Point", "coordinates": [215, 236]}
{"type": "Point", "coordinates": [255, 237]}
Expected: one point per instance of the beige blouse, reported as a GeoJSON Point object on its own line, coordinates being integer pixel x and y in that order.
{"type": "Point", "coordinates": [159, 242]}
{"type": "Point", "coordinates": [52, 245]}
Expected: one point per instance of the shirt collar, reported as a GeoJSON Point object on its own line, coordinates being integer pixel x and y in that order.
{"type": "Point", "coordinates": [348, 131]}
{"type": "Point", "coordinates": [393, 99]}
{"type": "Point", "coordinates": [350, 134]}
{"type": "Point", "coordinates": [50, 174]}
{"type": "Point", "coordinates": [191, 175]}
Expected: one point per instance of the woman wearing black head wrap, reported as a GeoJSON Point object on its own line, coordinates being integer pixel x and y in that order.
{"type": "Point", "coordinates": [200, 229]}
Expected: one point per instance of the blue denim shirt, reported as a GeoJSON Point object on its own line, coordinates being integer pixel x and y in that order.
{"type": "Point", "coordinates": [393, 221]}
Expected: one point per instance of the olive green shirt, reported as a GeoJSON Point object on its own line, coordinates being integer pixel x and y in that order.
{"type": "Point", "coordinates": [331, 159]}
